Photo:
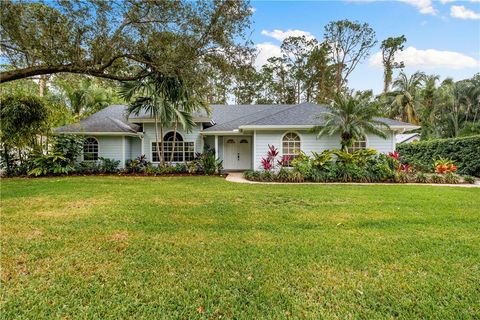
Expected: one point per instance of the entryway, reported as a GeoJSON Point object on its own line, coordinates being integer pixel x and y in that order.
{"type": "Point", "coordinates": [237, 153]}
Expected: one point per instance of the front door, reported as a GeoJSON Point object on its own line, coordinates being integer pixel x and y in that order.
{"type": "Point", "coordinates": [237, 153]}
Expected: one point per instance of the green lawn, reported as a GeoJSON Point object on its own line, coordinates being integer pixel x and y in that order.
{"type": "Point", "coordinates": [201, 247]}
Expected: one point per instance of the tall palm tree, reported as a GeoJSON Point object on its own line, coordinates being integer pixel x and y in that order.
{"type": "Point", "coordinates": [455, 102]}
{"type": "Point", "coordinates": [352, 117]}
{"type": "Point", "coordinates": [168, 101]}
{"type": "Point", "coordinates": [407, 101]}
{"type": "Point", "coordinates": [427, 115]}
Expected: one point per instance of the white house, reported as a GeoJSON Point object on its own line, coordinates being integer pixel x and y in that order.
{"type": "Point", "coordinates": [240, 134]}
{"type": "Point", "coordinates": [407, 137]}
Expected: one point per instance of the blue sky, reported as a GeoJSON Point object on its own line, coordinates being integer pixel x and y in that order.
{"type": "Point", "coordinates": [443, 37]}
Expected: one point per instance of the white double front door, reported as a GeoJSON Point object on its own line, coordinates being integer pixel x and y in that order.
{"type": "Point", "coordinates": [237, 153]}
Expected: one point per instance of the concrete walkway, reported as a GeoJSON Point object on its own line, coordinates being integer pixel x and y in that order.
{"type": "Point", "coordinates": [238, 178]}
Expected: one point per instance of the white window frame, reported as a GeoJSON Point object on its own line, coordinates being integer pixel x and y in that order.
{"type": "Point", "coordinates": [354, 148]}
{"type": "Point", "coordinates": [98, 149]}
{"type": "Point", "coordinates": [161, 141]}
{"type": "Point", "coordinates": [293, 155]}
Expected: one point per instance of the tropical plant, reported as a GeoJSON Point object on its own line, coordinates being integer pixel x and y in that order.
{"type": "Point", "coordinates": [50, 163]}
{"type": "Point", "coordinates": [444, 165]}
{"type": "Point", "coordinates": [406, 97]}
{"type": "Point", "coordinates": [352, 117]}
{"type": "Point", "coordinates": [167, 99]}
{"type": "Point", "coordinates": [70, 146]}
{"type": "Point", "coordinates": [207, 163]}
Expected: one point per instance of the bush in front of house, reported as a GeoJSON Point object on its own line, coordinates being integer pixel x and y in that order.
{"type": "Point", "coordinates": [464, 152]}
{"type": "Point", "coordinates": [359, 166]}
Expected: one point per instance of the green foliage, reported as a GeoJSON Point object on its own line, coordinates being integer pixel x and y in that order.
{"type": "Point", "coordinates": [469, 179]}
{"type": "Point", "coordinates": [22, 117]}
{"type": "Point", "coordinates": [207, 163]}
{"type": "Point", "coordinates": [463, 151]}
{"type": "Point", "coordinates": [437, 178]}
{"type": "Point", "coordinates": [401, 177]}
{"type": "Point", "coordinates": [71, 146]}
{"type": "Point", "coordinates": [452, 178]}
{"type": "Point", "coordinates": [421, 177]}
{"type": "Point", "coordinates": [352, 117]}
{"type": "Point", "coordinates": [50, 163]}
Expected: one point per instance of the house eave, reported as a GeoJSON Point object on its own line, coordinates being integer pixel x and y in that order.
{"type": "Point", "coordinates": [150, 120]}
{"type": "Point", "coordinates": [130, 134]}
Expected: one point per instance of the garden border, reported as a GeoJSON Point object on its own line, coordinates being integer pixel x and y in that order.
{"type": "Point", "coordinates": [237, 177]}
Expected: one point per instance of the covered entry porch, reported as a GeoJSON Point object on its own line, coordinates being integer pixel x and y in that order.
{"type": "Point", "coordinates": [235, 150]}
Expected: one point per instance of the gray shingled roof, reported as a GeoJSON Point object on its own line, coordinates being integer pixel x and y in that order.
{"type": "Point", "coordinates": [225, 118]}
{"type": "Point", "coordinates": [111, 119]}
{"type": "Point", "coordinates": [230, 117]}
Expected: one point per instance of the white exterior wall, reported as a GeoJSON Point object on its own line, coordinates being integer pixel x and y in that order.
{"type": "Point", "coordinates": [135, 148]}
{"type": "Point", "coordinates": [111, 148]}
{"type": "Point", "coordinates": [309, 142]}
{"type": "Point", "coordinates": [149, 137]}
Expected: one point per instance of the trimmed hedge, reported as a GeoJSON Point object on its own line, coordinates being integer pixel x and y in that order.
{"type": "Point", "coordinates": [465, 152]}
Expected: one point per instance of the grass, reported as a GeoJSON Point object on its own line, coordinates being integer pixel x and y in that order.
{"type": "Point", "coordinates": [201, 247]}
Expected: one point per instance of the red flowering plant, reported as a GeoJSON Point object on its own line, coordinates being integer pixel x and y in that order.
{"type": "Point", "coordinates": [268, 163]}
{"type": "Point", "coordinates": [395, 155]}
{"type": "Point", "coordinates": [444, 165]}
{"type": "Point", "coordinates": [284, 161]}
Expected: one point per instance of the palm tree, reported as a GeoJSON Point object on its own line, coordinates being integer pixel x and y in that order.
{"type": "Point", "coordinates": [455, 104]}
{"type": "Point", "coordinates": [407, 101]}
{"type": "Point", "coordinates": [352, 117]}
{"type": "Point", "coordinates": [168, 101]}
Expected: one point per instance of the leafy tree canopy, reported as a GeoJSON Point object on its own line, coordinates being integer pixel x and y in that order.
{"type": "Point", "coordinates": [116, 39]}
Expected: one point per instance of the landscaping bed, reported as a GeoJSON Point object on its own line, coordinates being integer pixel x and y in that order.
{"type": "Point", "coordinates": [364, 166]}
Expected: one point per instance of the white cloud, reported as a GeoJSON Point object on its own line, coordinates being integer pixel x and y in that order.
{"type": "Point", "coordinates": [253, 9]}
{"type": "Point", "coordinates": [429, 58]}
{"type": "Point", "coordinates": [423, 6]}
{"type": "Point", "coordinates": [461, 12]}
{"type": "Point", "coordinates": [266, 50]}
{"type": "Point", "coordinates": [280, 35]}
{"type": "Point", "coordinates": [449, 1]}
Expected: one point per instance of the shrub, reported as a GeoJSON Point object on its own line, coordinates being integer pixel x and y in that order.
{"type": "Point", "coordinates": [108, 165]}
{"type": "Point", "coordinates": [401, 177]}
{"type": "Point", "coordinates": [205, 162]}
{"type": "Point", "coordinates": [266, 176]}
{"type": "Point", "coordinates": [283, 175]}
{"type": "Point", "coordinates": [50, 163]}
{"type": "Point", "coordinates": [70, 146]}
{"type": "Point", "coordinates": [87, 167]}
{"type": "Point", "coordinates": [421, 177]}
{"type": "Point", "coordinates": [452, 178]}
{"type": "Point", "coordinates": [137, 165]}
{"type": "Point", "coordinates": [463, 151]}
{"type": "Point", "coordinates": [303, 164]}
{"type": "Point", "coordinates": [295, 176]}
{"type": "Point", "coordinates": [469, 179]}
{"type": "Point", "coordinates": [437, 178]}
{"type": "Point", "coordinates": [251, 175]}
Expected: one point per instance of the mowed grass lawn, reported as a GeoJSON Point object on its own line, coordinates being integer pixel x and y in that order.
{"type": "Point", "coordinates": [202, 247]}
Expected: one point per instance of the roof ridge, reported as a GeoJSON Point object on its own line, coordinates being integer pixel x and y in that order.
{"type": "Point", "coordinates": [121, 124]}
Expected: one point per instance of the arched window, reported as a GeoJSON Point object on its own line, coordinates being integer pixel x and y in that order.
{"type": "Point", "coordinates": [169, 136]}
{"type": "Point", "coordinates": [290, 147]}
{"type": "Point", "coordinates": [182, 151]}
{"type": "Point", "coordinates": [359, 144]}
{"type": "Point", "coordinates": [90, 149]}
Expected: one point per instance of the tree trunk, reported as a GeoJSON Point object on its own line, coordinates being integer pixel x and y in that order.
{"type": "Point", "coordinates": [162, 147]}
{"type": "Point", "coordinates": [42, 85]}
{"type": "Point", "coordinates": [174, 139]}
{"type": "Point", "coordinates": [156, 139]}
